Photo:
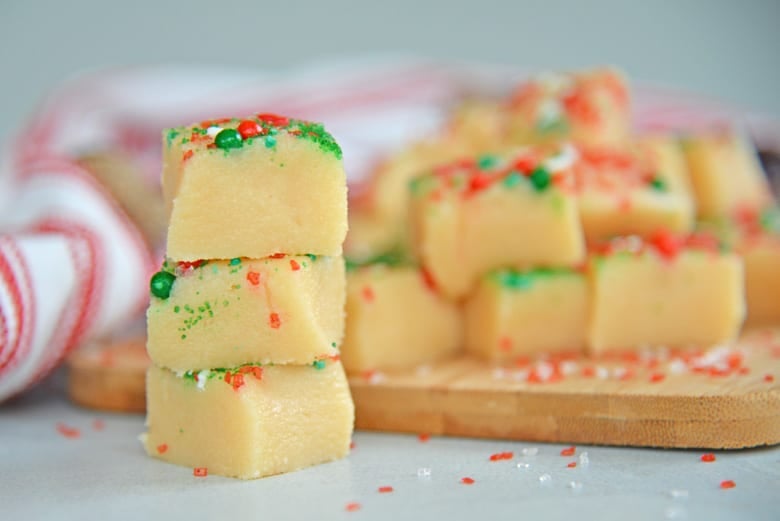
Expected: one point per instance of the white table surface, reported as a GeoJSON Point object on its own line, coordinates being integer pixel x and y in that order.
{"type": "Point", "coordinates": [105, 474]}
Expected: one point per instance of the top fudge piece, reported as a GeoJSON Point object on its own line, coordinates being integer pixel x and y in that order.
{"type": "Point", "coordinates": [589, 107]}
{"type": "Point", "coordinates": [516, 211]}
{"type": "Point", "coordinates": [725, 174]}
{"type": "Point", "coordinates": [253, 187]}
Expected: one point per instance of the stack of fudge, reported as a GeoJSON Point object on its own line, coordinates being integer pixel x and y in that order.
{"type": "Point", "coordinates": [540, 224]}
{"type": "Point", "coordinates": [247, 312]}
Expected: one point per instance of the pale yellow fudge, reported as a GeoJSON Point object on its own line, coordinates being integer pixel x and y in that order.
{"type": "Point", "coordinates": [589, 107]}
{"type": "Point", "coordinates": [250, 421]}
{"type": "Point", "coordinates": [480, 124]}
{"type": "Point", "coordinates": [253, 187]}
{"type": "Point", "coordinates": [669, 291]}
{"type": "Point", "coordinates": [725, 174]}
{"type": "Point", "coordinates": [521, 313]}
{"type": "Point", "coordinates": [518, 210]}
{"type": "Point", "coordinates": [633, 190]}
{"type": "Point", "coordinates": [755, 236]}
{"type": "Point", "coordinates": [396, 321]}
{"type": "Point", "coordinates": [288, 309]}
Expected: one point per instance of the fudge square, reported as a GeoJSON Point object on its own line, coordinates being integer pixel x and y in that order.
{"type": "Point", "coordinates": [253, 187]}
{"type": "Point", "coordinates": [396, 320]}
{"type": "Point", "coordinates": [521, 313]}
{"type": "Point", "coordinates": [725, 174]}
{"type": "Point", "coordinates": [281, 309]}
{"type": "Point", "coordinates": [250, 421]}
{"type": "Point", "coordinates": [589, 107]}
{"type": "Point", "coordinates": [668, 291]}
{"type": "Point", "coordinates": [633, 190]}
{"type": "Point", "coordinates": [474, 216]}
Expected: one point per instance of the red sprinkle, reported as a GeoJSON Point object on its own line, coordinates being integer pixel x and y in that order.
{"type": "Point", "coordinates": [253, 277]}
{"type": "Point", "coordinates": [98, 425]}
{"type": "Point", "coordinates": [505, 344]}
{"type": "Point", "coordinates": [479, 182]}
{"type": "Point", "coordinates": [667, 244]}
{"type": "Point", "coordinates": [351, 444]}
{"type": "Point", "coordinates": [569, 452]}
{"type": "Point", "coordinates": [571, 464]}
{"type": "Point", "coordinates": [200, 472]}
{"type": "Point", "coordinates": [499, 456]}
{"type": "Point", "coordinates": [228, 376]}
{"type": "Point", "coordinates": [249, 128]}
{"type": "Point", "coordinates": [274, 320]}
{"type": "Point", "coordinates": [238, 381]}
{"type": "Point", "coordinates": [274, 120]}
{"type": "Point", "coordinates": [188, 154]}
{"type": "Point", "coordinates": [294, 265]}
{"type": "Point", "coordinates": [352, 507]}
{"type": "Point", "coordinates": [428, 279]}
{"type": "Point", "coordinates": [708, 458]}
{"type": "Point", "coordinates": [769, 378]}
{"type": "Point", "coordinates": [657, 377]}
{"type": "Point", "coordinates": [368, 294]}
{"type": "Point", "coordinates": [728, 483]}
{"type": "Point", "coordinates": [467, 481]}
{"type": "Point", "coordinates": [385, 489]}
{"type": "Point", "coordinates": [423, 437]}
{"type": "Point", "coordinates": [162, 448]}
{"type": "Point", "coordinates": [278, 256]}
{"type": "Point", "coordinates": [68, 432]}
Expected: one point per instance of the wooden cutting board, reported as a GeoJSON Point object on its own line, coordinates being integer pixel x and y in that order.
{"type": "Point", "coordinates": [635, 401]}
{"type": "Point", "coordinates": [734, 403]}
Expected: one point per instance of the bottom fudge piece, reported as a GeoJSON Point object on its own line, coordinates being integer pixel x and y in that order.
{"type": "Point", "coordinates": [669, 291]}
{"type": "Point", "coordinates": [251, 421]}
{"type": "Point", "coordinates": [395, 320]}
{"type": "Point", "coordinates": [520, 313]}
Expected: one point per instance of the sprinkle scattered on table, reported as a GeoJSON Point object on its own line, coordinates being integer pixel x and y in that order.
{"type": "Point", "coordinates": [98, 425]}
{"type": "Point", "coordinates": [68, 432]}
{"type": "Point", "coordinates": [708, 458]}
{"type": "Point", "coordinates": [467, 481]}
{"type": "Point", "coordinates": [728, 483]}
{"type": "Point", "coordinates": [352, 507]}
{"type": "Point", "coordinates": [200, 472]}
{"type": "Point", "coordinates": [569, 451]}
{"type": "Point", "coordinates": [385, 489]}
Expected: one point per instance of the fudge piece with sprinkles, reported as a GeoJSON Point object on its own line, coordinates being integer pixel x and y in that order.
{"type": "Point", "coordinates": [249, 421]}
{"type": "Point", "coordinates": [683, 291]}
{"type": "Point", "coordinates": [590, 107]}
{"type": "Point", "coordinates": [634, 190]}
{"type": "Point", "coordinates": [726, 174]}
{"type": "Point", "coordinates": [521, 313]}
{"type": "Point", "coordinates": [281, 309]}
{"type": "Point", "coordinates": [253, 187]}
{"type": "Point", "coordinates": [474, 216]}
{"type": "Point", "coordinates": [396, 320]}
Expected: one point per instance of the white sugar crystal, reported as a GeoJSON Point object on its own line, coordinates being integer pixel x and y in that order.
{"type": "Point", "coordinates": [376, 378]}
{"type": "Point", "coordinates": [602, 373]}
{"type": "Point", "coordinates": [521, 375]}
{"type": "Point", "coordinates": [545, 478]}
{"type": "Point", "coordinates": [523, 465]}
{"type": "Point", "coordinates": [677, 366]}
{"type": "Point", "coordinates": [424, 472]}
{"type": "Point", "coordinates": [569, 367]}
{"type": "Point", "coordinates": [678, 493]}
{"type": "Point", "coordinates": [499, 373]}
{"type": "Point", "coordinates": [544, 370]}
{"type": "Point", "coordinates": [584, 459]}
{"type": "Point", "coordinates": [202, 377]}
{"type": "Point", "coordinates": [575, 485]}
{"type": "Point", "coordinates": [530, 451]}
{"type": "Point", "coordinates": [213, 130]}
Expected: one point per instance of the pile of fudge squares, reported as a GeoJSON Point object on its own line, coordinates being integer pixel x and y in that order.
{"type": "Point", "coordinates": [530, 225]}
{"type": "Point", "coordinates": [541, 223]}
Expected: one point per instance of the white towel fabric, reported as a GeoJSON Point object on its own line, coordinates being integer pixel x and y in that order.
{"type": "Point", "coordinates": [73, 266]}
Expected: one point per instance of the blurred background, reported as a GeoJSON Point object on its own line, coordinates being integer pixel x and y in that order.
{"type": "Point", "coordinates": [719, 48]}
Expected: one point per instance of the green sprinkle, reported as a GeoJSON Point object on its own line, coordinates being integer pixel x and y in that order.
{"type": "Point", "coordinates": [319, 364]}
{"type": "Point", "coordinates": [236, 261]}
{"type": "Point", "coordinates": [515, 280]}
{"type": "Point", "coordinates": [487, 161]}
{"type": "Point", "coordinates": [658, 184]}
{"type": "Point", "coordinates": [161, 283]}
{"type": "Point", "coordinates": [540, 178]}
{"type": "Point", "coordinates": [176, 309]}
{"type": "Point", "coordinates": [333, 344]}
{"type": "Point", "coordinates": [311, 256]}
{"type": "Point", "coordinates": [270, 142]}
{"type": "Point", "coordinates": [512, 180]}
{"type": "Point", "coordinates": [228, 138]}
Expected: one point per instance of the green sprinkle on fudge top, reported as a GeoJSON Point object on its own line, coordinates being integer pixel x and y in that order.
{"type": "Point", "coordinates": [228, 134]}
{"type": "Point", "coordinates": [517, 280]}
